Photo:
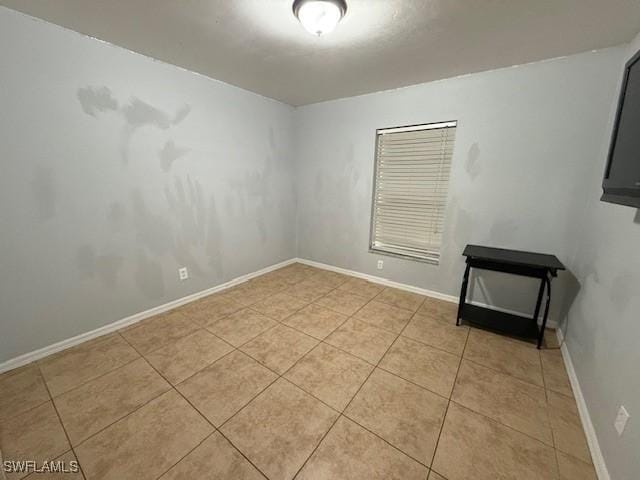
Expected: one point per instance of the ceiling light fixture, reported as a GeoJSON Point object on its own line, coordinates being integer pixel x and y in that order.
{"type": "Point", "coordinates": [319, 16]}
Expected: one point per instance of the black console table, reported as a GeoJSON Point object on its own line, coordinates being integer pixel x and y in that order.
{"type": "Point", "coordinates": [527, 264]}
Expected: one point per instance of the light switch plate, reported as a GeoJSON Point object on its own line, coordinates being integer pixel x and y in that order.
{"type": "Point", "coordinates": [621, 420]}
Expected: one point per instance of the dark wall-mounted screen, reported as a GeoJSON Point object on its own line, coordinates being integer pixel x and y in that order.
{"type": "Point", "coordinates": [622, 177]}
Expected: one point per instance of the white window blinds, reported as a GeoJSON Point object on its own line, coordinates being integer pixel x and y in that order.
{"type": "Point", "coordinates": [410, 192]}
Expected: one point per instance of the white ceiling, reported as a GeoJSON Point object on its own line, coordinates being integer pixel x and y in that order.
{"type": "Point", "coordinates": [380, 44]}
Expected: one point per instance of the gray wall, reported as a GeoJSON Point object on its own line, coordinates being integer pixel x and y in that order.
{"type": "Point", "coordinates": [118, 169]}
{"type": "Point", "coordinates": [110, 182]}
{"type": "Point", "coordinates": [603, 327]}
{"type": "Point", "coordinates": [527, 136]}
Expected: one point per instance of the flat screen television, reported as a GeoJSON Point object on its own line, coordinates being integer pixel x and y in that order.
{"type": "Point", "coordinates": [621, 182]}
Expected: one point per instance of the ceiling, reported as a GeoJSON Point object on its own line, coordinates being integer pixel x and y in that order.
{"type": "Point", "coordinates": [380, 44]}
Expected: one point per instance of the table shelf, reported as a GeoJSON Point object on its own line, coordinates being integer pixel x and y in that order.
{"type": "Point", "coordinates": [502, 322]}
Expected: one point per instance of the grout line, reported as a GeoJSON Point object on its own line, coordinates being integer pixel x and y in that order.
{"type": "Point", "coordinates": [188, 453]}
{"type": "Point", "coordinates": [279, 376]}
{"type": "Point", "coordinates": [140, 356]}
{"type": "Point", "coordinates": [501, 372]}
{"type": "Point", "coordinates": [446, 411]}
{"type": "Point", "coordinates": [233, 349]}
{"type": "Point", "coordinates": [385, 440]}
{"type": "Point", "coordinates": [55, 408]}
{"type": "Point", "coordinates": [323, 341]}
{"type": "Point", "coordinates": [348, 404]}
{"type": "Point", "coordinates": [82, 384]}
{"type": "Point", "coordinates": [144, 404]}
{"type": "Point", "coordinates": [209, 422]}
{"type": "Point", "coordinates": [242, 453]}
{"type": "Point", "coordinates": [252, 398]}
{"type": "Point", "coordinates": [471, 409]}
{"type": "Point", "coordinates": [440, 349]}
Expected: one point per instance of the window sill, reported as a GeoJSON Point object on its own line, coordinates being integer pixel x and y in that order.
{"type": "Point", "coordinates": [404, 256]}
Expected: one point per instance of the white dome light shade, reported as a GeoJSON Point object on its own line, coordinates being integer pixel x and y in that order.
{"type": "Point", "coordinates": [319, 17]}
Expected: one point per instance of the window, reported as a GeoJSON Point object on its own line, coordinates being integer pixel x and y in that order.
{"type": "Point", "coordinates": [410, 189]}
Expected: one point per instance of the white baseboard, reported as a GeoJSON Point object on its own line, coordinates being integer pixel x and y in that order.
{"type": "Point", "coordinates": [124, 322]}
{"type": "Point", "coordinates": [587, 424]}
{"type": "Point", "coordinates": [410, 288]}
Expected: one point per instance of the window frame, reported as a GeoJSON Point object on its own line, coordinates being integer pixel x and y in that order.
{"type": "Point", "coordinates": [433, 260]}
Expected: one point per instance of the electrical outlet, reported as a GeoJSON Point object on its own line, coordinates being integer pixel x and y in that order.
{"type": "Point", "coordinates": [183, 273]}
{"type": "Point", "coordinates": [621, 420]}
{"type": "Point", "coordinates": [380, 264]}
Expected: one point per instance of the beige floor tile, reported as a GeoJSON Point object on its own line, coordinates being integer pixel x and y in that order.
{"type": "Point", "coordinates": [33, 435]}
{"type": "Point", "coordinates": [295, 273]}
{"type": "Point", "coordinates": [568, 434]}
{"type": "Point", "coordinates": [384, 316]}
{"type": "Point", "coordinates": [573, 469]}
{"type": "Point", "coordinates": [516, 358]}
{"type": "Point", "coordinates": [554, 372]}
{"type": "Point", "coordinates": [512, 402]}
{"type": "Point", "coordinates": [247, 293]}
{"type": "Point", "coordinates": [351, 452]}
{"type": "Point", "coordinates": [435, 476]}
{"type": "Point", "coordinates": [187, 355]}
{"type": "Point", "coordinates": [473, 446]}
{"type": "Point", "coordinates": [279, 348]}
{"type": "Point", "coordinates": [8, 373]}
{"type": "Point", "coordinates": [21, 391]}
{"type": "Point", "coordinates": [279, 429]}
{"type": "Point", "coordinates": [439, 310]}
{"type": "Point", "coordinates": [550, 339]}
{"type": "Point", "coordinates": [342, 302]}
{"type": "Point", "coordinates": [221, 389]}
{"type": "Point", "coordinates": [272, 281]}
{"type": "Point", "coordinates": [332, 279]}
{"type": "Point", "coordinates": [316, 321]}
{"type": "Point", "coordinates": [407, 416]}
{"type": "Point", "coordinates": [427, 366]}
{"type": "Point", "coordinates": [156, 332]}
{"type": "Point", "coordinates": [68, 469]}
{"type": "Point", "coordinates": [240, 327]}
{"type": "Point", "coordinates": [100, 402]}
{"type": "Point", "coordinates": [265, 286]}
{"type": "Point", "coordinates": [330, 374]}
{"type": "Point", "coordinates": [309, 290]}
{"type": "Point", "coordinates": [215, 458]}
{"type": "Point", "coordinates": [401, 298]}
{"type": "Point", "coordinates": [211, 308]}
{"type": "Point", "coordinates": [362, 288]}
{"type": "Point", "coordinates": [362, 340]}
{"type": "Point", "coordinates": [279, 306]}
{"type": "Point", "coordinates": [146, 443]}
{"type": "Point", "coordinates": [437, 333]}
{"type": "Point", "coordinates": [76, 365]}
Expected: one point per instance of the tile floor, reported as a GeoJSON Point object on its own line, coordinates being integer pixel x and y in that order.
{"type": "Point", "coordinates": [299, 373]}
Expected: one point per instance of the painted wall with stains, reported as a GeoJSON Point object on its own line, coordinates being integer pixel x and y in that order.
{"type": "Point", "coordinates": [110, 182]}
{"type": "Point", "coordinates": [603, 327]}
{"type": "Point", "coordinates": [526, 138]}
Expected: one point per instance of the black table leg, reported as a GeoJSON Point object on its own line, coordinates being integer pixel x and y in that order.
{"type": "Point", "coordinates": [463, 292]}
{"type": "Point", "coordinates": [546, 312]}
{"type": "Point", "coordinates": [543, 284]}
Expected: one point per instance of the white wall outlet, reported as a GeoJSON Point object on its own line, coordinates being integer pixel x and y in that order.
{"type": "Point", "coordinates": [621, 420]}
{"type": "Point", "coordinates": [380, 264]}
{"type": "Point", "coordinates": [183, 273]}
